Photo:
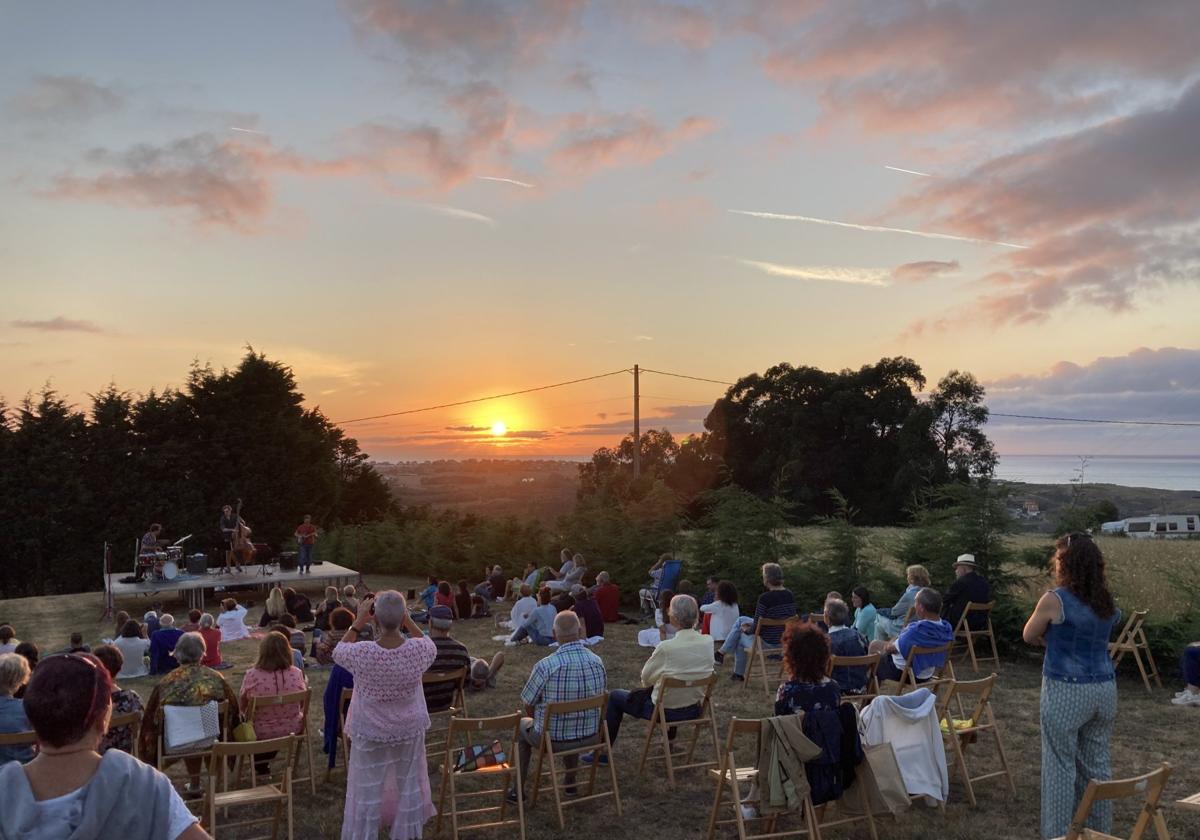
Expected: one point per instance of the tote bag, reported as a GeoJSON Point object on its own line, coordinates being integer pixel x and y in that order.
{"type": "Point", "coordinates": [880, 771]}
{"type": "Point", "coordinates": [190, 728]}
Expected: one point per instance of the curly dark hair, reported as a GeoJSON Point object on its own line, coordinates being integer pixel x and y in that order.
{"type": "Point", "coordinates": [727, 593]}
{"type": "Point", "coordinates": [806, 652]}
{"type": "Point", "coordinates": [1080, 570]}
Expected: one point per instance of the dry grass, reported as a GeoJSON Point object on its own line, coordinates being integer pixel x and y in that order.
{"type": "Point", "coordinates": [1148, 731]}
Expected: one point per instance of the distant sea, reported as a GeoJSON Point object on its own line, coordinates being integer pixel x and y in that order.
{"type": "Point", "coordinates": [1164, 473]}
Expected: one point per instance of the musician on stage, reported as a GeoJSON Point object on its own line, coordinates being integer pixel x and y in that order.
{"type": "Point", "coordinates": [306, 536]}
{"type": "Point", "coordinates": [147, 549]}
{"type": "Point", "coordinates": [236, 534]}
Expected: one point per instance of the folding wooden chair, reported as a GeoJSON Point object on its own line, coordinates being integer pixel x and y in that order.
{"type": "Point", "coordinates": [964, 635]}
{"type": "Point", "coordinates": [1132, 640]}
{"type": "Point", "coordinates": [908, 678]}
{"type": "Point", "coordinates": [1190, 803]}
{"type": "Point", "coordinates": [465, 730]}
{"type": "Point", "coordinates": [257, 794]}
{"type": "Point", "coordinates": [166, 759]}
{"type": "Point", "coordinates": [24, 739]}
{"type": "Point", "coordinates": [660, 727]}
{"type": "Point", "coordinates": [1150, 786]}
{"type": "Point", "coordinates": [436, 735]}
{"type": "Point", "coordinates": [958, 734]}
{"type": "Point", "coordinates": [871, 663]}
{"type": "Point", "coordinates": [601, 746]}
{"type": "Point", "coordinates": [734, 785]}
{"type": "Point", "coordinates": [303, 699]}
{"type": "Point", "coordinates": [758, 651]}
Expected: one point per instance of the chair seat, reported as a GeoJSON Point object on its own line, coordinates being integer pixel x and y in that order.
{"type": "Point", "coordinates": [1092, 834]}
{"type": "Point", "coordinates": [249, 796]}
{"type": "Point", "coordinates": [1191, 803]}
{"type": "Point", "coordinates": [744, 774]}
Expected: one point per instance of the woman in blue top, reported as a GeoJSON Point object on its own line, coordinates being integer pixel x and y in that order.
{"type": "Point", "coordinates": [864, 612]}
{"type": "Point", "coordinates": [1079, 690]}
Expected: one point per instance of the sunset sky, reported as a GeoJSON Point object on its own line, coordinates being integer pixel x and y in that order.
{"type": "Point", "coordinates": [414, 203]}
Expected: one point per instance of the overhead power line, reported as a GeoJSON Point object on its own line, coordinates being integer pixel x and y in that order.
{"type": "Point", "coordinates": [1095, 420]}
{"type": "Point", "coordinates": [481, 399]}
{"type": "Point", "coordinates": [685, 376]}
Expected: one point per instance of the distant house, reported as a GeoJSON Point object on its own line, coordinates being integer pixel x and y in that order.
{"type": "Point", "coordinates": [1032, 511]}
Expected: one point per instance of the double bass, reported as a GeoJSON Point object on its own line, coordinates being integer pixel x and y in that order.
{"type": "Point", "coordinates": [241, 550]}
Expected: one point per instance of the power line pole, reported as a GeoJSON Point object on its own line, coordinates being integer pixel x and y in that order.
{"type": "Point", "coordinates": [637, 426]}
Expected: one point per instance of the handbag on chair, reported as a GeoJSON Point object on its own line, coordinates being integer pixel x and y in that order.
{"type": "Point", "coordinates": [191, 728]}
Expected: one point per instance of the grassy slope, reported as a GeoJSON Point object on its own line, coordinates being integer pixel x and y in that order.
{"type": "Point", "coordinates": [1148, 731]}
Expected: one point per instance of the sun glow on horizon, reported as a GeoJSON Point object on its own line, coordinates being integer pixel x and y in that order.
{"type": "Point", "coordinates": [499, 428]}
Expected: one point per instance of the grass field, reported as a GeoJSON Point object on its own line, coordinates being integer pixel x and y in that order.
{"type": "Point", "coordinates": [1149, 730]}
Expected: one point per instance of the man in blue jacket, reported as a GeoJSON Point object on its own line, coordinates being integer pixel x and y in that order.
{"type": "Point", "coordinates": [929, 629]}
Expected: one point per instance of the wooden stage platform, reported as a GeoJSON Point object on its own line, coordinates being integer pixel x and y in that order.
{"type": "Point", "coordinates": [192, 588]}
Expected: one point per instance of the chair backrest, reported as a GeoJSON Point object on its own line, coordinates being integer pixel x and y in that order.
{"type": "Point", "coordinates": [1131, 625]}
{"type": "Point", "coordinates": [917, 650]}
{"type": "Point", "coordinates": [465, 728]}
{"type": "Point", "coordinates": [973, 607]}
{"type": "Point", "coordinates": [1149, 785]}
{"type": "Point", "coordinates": [439, 678]}
{"type": "Point", "coordinates": [18, 739]}
{"type": "Point", "coordinates": [744, 728]}
{"type": "Point", "coordinates": [235, 749]}
{"type": "Point", "coordinates": [597, 704]}
{"type": "Point", "coordinates": [670, 575]}
{"type": "Point", "coordinates": [131, 719]}
{"type": "Point", "coordinates": [666, 684]}
{"type": "Point", "coordinates": [259, 702]}
{"type": "Point", "coordinates": [869, 662]}
{"type": "Point", "coordinates": [771, 622]}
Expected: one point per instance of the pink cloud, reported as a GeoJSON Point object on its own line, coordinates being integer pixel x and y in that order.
{"type": "Point", "coordinates": [594, 143]}
{"type": "Point", "coordinates": [60, 324]}
{"type": "Point", "coordinates": [919, 272]}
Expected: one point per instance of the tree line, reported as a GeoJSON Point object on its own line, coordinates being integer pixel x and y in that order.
{"type": "Point", "coordinates": [72, 479]}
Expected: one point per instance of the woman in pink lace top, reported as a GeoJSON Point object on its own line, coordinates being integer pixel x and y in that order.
{"type": "Point", "coordinates": [387, 783]}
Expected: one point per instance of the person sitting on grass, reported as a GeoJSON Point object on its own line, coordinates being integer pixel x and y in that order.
{"type": "Point", "coordinates": [232, 621]}
{"type": "Point", "coordinates": [8, 639]}
{"type": "Point", "coordinates": [528, 578]}
{"type": "Point", "coordinates": [927, 629]}
{"type": "Point", "coordinates": [452, 654]}
{"type": "Point", "coordinates": [429, 592]}
{"type": "Point", "coordinates": [445, 596]}
{"type": "Point", "coordinates": [525, 605]}
{"type": "Point", "coordinates": [562, 601]}
{"type": "Point", "coordinates": [1189, 663]}
{"type": "Point", "coordinates": [463, 605]}
{"type": "Point", "coordinates": [29, 651]}
{"type": "Point", "coordinates": [124, 701]}
{"type": "Point", "coordinates": [150, 622]}
{"type": "Point", "coordinates": [663, 629]}
{"type": "Point", "coordinates": [192, 625]}
{"type": "Point", "coordinates": [212, 643]}
{"type": "Point", "coordinates": [298, 605]}
{"type": "Point", "coordinates": [608, 597]}
{"type": "Point", "coordinates": [69, 789]}
{"type": "Point", "coordinates": [274, 609]}
{"type": "Point", "coordinates": [119, 623]}
{"type": "Point", "coordinates": [588, 612]}
{"type": "Point", "coordinates": [688, 655]}
{"type": "Point", "coordinates": [572, 577]}
{"type": "Point", "coordinates": [776, 603]}
{"type": "Point", "coordinates": [539, 627]}
{"type": "Point", "coordinates": [339, 622]}
{"type": "Point", "coordinates": [133, 649]}
{"type": "Point", "coordinates": [350, 597]}
{"type": "Point", "coordinates": [77, 645]}
{"type": "Point", "coordinates": [572, 672]}
{"type": "Point", "coordinates": [493, 586]}
{"type": "Point", "coordinates": [326, 608]}
{"type": "Point", "coordinates": [14, 673]}
{"type": "Point", "coordinates": [162, 642]}
{"type": "Point", "coordinates": [844, 640]}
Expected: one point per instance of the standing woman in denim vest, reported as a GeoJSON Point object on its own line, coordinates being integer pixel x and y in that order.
{"type": "Point", "coordinates": [1079, 690]}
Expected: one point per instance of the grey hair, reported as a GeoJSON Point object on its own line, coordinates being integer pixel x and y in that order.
{"type": "Point", "coordinates": [189, 649]}
{"type": "Point", "coordinates": [837, 612]}
{"type": "Point", "coordinates": [166, 620]}
{"type": "Point", "coordinates": [14, 670]}
{"type": "Point", "coordinates": [684, 612]}
{"type": "Point", "coordinates": [602, 578]}
{"type": "Point", "coordinates": [566, 626]}
{"type": "Point", "coordinates": [207, 620]}
{"type": "Point", "coordinates": [390, 608]}
{"type": "Point", "coordinates": [930, 600]}
{"type": "Point", "coordinates": [772, 573]}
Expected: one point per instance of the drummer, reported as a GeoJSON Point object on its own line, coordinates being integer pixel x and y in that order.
{"type": "Point", "coordinates": [148, 550]}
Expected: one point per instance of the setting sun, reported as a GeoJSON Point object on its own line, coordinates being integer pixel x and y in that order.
{"type": "Point", "coordinates": [499, 429]}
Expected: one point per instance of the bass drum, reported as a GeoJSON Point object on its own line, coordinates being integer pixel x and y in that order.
{"type": "Point", "coordinates": [170, 570]}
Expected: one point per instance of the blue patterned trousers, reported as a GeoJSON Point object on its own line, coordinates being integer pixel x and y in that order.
{"type": "Point", "coordinates": [1077, 722]}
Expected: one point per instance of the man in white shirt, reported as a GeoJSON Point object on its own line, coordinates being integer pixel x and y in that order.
{"type": "Point", "coordinates": [688, 655]}
{"type": "Point", "coordinates": [524, 607]}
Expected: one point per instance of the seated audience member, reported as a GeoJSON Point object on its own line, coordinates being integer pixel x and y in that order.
{"type": "Point", "coordinates": [429, 592]}
{"type": "Point", "coordinates": [588, 611]}
{"type": "Point", "coordinates": [663, 629]}
{"type": "Point", "coordinates": [134, 650]}
{"type": "Point", "coordinates": [462, 601]}
{"type": "Point", "coordinates": [864, 612]}
{"type": "Point", "coordinates": [150, 623]}
{"type": "Point", "coordinates": [445, 596]}
{"type": "Point", "coordinates": [647, 594]}
{"type": "Point", "coordinates": [30, 652]}
{"type": "Point", "coordinates": [298, 605]}
{"type": "Point", "coordinates": [566, 563]}
{"type": "Point", "coordinates": [77, 645]}
{"type": "Point", "coordinates": [451, 655]}
{"type": "Point", "coordinates": [190, 684]}
{"type": "Point", "coordinates": [274, 609]}
{"type": "Point", "coordinates": [572, 672]}
{"type": "Point", "coordinates": [608, 597]}
{"type": "Point", "coordinates": [8, 639]}
{"type": "Point", "coordinates": [571, 578]}
{"type": "Point", "coordinates": [339, 622]}
{"type": "Point", "coordinates": [514, 586]}
{"type": "Point", "coordinates": [492, 588]}
{"type": "Point", "coordinates": [1189, 664]}
{"type": "Point", "coordinates": [562, 601]}
{"type": "Point", "coordinates": [232, 621]}
{"type": "Point", "coordinates": [69, 789]}
{"type": "Point", "coordinates": [710, 592]}
{"type": "Point", "coordinates": [14, 673]}
{"type": "Point", "coordinates": [722, 613]}
{"type": "Point", "coordinates": [524, 605]}
{"type": "Point", "coordinates": [272, 674]}
{"type": "Point", "coordinates": [776, 603]}
{"type": "Point", "coordinates": [889, 621]}
{"type": "Point", "coordinates": [212, 643]}
{"type": "Point", "coordinates": [969, 587]}
{"type": "Point", "coordinates": [118, 624]}
{"type": "Point", "coordinates": [124, 701]}
{"type": "Point", "coordinates": [286, 627]}
{"type": "Point", "coordinates": [539, 627]}
{"type": "Point", "coordinates": [162, 642]}
{"type": "Point", "coordinates": [688, 655]}
{"type": "Point", "coordinates": [844, 640]}
{"type": "Point", "coordinates": [826, 723]}
{"type": "Point", "coordinates": [326, 608]}
{"type": "Point", "coordinates": [928, 629]}
{"type": "Point", "coordinates": [350, 597]}
{"type": "Point", "coordinates": [192, 625]}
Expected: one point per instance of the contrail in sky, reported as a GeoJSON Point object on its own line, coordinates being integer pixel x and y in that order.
{"type": "Point", "coordinates": [823, 273]}
{"type": "Point", "coordinates": [785, 217]}
{"type": "Point", "coordinates": [908, 171]}
{"type": "Point", "coordinates": [247, 130]}
{"type": "Point", "coordinates": [512, 181]}
{"type": "Point", "coordinates": [459, 213]}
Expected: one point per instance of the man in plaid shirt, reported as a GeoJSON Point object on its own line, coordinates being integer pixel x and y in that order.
{"type": "Point", "coordinates": [570, 673]}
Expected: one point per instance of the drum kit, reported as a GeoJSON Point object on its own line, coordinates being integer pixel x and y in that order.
{"type": "Point", "coordinates": [165, 564]}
